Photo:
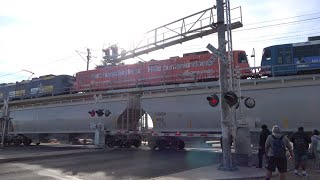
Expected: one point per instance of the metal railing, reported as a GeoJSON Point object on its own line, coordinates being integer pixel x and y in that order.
{"type": "Point", "coordinates": [121, 84]}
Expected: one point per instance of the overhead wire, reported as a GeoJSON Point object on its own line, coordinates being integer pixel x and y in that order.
{"type": "Point", "coordinates": [279, 19]}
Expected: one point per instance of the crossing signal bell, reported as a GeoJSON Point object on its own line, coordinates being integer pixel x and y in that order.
{"type": "Point", "coordinates": [231, 98]}
{"type": "Point", "coordinates": [250, 102]}
{"type": "Point", "coordinates": [213, 100]}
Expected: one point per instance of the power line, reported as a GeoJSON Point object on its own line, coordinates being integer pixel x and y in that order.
{"type": "Point", "coordinates": [10, 73]}
{"type": "Point", "coordinates": [301, 35]}
{"type": "Point", "coordinates": [261, 22]}
{"type": "Point", "coordinates": [278, 24]}
{"type": "Point", "coordinates": [304, 30]}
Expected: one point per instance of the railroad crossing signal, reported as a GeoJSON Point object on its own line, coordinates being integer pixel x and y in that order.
{"type": "Point", "coordinates": [107, 113]}
{"type": "Point", "coordinates": [249, 102]}
{"type": "Point", "coordinates": [99, 112]}
{"type": "Point", "coordinates": [213, 100]}
{"type": "Point", "coordinates": [231, 98]}
{"type": "Point", "coordinates": [92, 113]}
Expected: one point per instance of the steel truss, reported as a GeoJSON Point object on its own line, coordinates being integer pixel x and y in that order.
{"type": "Point", "coordinates": [194, 26]}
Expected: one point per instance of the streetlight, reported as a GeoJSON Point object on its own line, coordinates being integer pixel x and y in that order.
{"type": "Point", "coordinates": [254, 61]}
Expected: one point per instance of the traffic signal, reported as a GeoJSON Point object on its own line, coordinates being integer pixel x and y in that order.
{"type": "Point", "coordinates": [231, 98]}
{"type": "Point", "coordinates": [100, 112]}
{"type": "Point", "coordinates": [92, 113]}
{"type": "Point", "coordinates": [213, 100]}
{"type": "Point", "coordinates": [107, 113]}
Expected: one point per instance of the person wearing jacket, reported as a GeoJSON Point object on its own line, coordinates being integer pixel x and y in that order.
{"type": "Point", "coordinates": [262, 141]}
{"type": "Point", "coordinates": [315, 139]}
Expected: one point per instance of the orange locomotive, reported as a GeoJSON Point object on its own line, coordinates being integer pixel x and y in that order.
{"type": "Point", "coordinates": [192, 67]}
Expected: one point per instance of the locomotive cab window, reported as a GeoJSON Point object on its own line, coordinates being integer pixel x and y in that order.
{"type": "Point", "coordinates": [242, 57]}
{"type": "Point", "coordinates": [288, 56]}
{"type": "Point", "coordinates": [280, 56]}
{"type": "Point", "coordinates": [267, 54]}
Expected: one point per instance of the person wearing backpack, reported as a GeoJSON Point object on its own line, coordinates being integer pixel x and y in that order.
{"type": "Point", "coordinates": [315, 148]}
{"type": "Point", "coordinates": [301, 142]}
{"type": "Point", "coordinates": [276, 146]}
{"type": "Point", "coordinates": [262, 141]}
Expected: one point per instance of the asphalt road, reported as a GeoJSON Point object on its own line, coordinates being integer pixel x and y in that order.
{"type": "Point", "coordinates": [115, 164]}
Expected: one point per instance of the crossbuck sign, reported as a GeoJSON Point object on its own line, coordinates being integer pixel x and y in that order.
{"type": "Point", "coordinates": [217, 52]}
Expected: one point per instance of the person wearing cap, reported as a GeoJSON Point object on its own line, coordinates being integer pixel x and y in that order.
{"type": "Point", "coordinates": [275, 147]}
{"type": "Point", "coordinates": [262, 141]}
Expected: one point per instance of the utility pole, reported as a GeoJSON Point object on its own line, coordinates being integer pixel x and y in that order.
{"type": "Point", "coordinates": [224, 86]}
{"type": "Point", "coordinates": [88, 58]}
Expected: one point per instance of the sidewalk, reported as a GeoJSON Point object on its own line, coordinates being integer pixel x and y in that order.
{"type": "Point", "coordinates": [19, 155]}
{"type": "Point", "coordinates": [243, 173]}
{"type": "Point", "coordinates": [212, 173]}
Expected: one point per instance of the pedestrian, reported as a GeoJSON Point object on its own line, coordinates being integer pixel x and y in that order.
{"type": "Point", "coordinates": [315, 148]}
{"type": "Point", "coordinates": [276, 145]}
{"type": "Point", "coordinates": [301, 142]}
{"type": "Point", "coordinates": [262, 141]}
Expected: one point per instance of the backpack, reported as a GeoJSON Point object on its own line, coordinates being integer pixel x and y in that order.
{"type": "Point", "coordinates": [318, 145]}
{"type": "Point", "coordinates": [278, 147]}
{"type": "Point", "coordinates": [299, 144]}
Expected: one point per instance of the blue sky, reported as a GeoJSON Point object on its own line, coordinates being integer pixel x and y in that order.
{"type": "Point", "coordinates": [43, 36]}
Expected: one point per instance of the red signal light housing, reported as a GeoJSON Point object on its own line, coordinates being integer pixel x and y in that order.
{"type": "Point", "coordinates": [213, 100]}
{"type": "Point", "coordinates": [92, 113]}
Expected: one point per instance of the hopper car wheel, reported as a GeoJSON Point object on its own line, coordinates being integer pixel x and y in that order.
{"type": "Point", "coordinates": [27, 142]}
{"type": "Point", "coordinates": [161, 144]}
{"type": "Point", "coordinates": [18, 142]}
{"type": "Point", "coordinates": [181, 145]}
{"type": "Point", "coordinates": [110, 144]}
{"type": "Point", "coordinates": [127, 144]}
{"type": "Point", "coordinates": [152, 145]}
{"type": "Point", "coordinates": [137, 143]}
{"type": "Point", "coordinates": [9, 142]}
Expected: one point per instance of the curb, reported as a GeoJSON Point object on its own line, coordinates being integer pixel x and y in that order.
{"type": "Point", "coordinates": [47, 155]}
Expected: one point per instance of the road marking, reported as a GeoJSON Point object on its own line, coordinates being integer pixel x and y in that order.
{"type": "Point", "coordinates": [56, 174]}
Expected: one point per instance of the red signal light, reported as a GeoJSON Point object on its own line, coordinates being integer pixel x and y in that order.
{"type": "Point", "coordinates": [213, 100]}
{"type": "Point", "coordinates": [92, 113]}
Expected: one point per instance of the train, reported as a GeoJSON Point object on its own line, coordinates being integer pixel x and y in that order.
{"type": "Point", "coordinates": [174, 117]}
{"type": "Point", "coordinates": [192, 67]}
{"type": "Point", "coordinates": [35, 122]}
{"type": "Point", "coordinates": [48, 85]}
{"type": "Point", "coordinates": [291, 59]}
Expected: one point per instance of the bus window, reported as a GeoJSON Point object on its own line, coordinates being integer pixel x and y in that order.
{"type": "Point", "coordinates": [267, 54]}
{"type": "Point", "coordinates": [288, 56]}
{"type": "Point", "coordinates": [242, 57]}
{"type": "Point", "coordinates": [280, 56]}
